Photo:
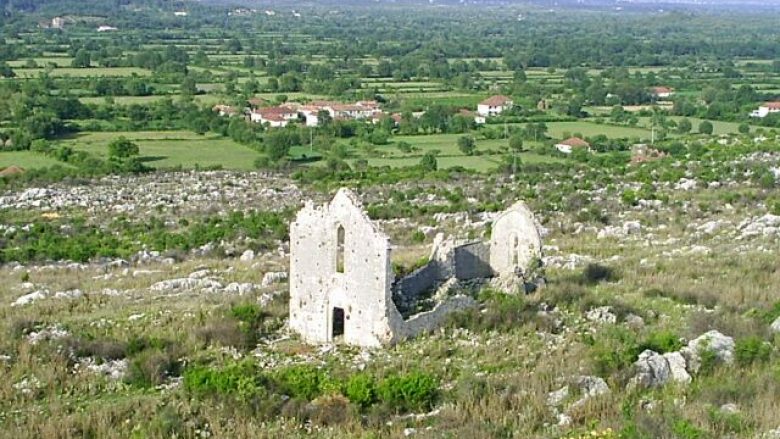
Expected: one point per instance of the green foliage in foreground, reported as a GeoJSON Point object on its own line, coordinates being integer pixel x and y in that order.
{"type": "Point", "coordinates": [82, 241]}
{"type": "Point", "coordinates": [244, 381]}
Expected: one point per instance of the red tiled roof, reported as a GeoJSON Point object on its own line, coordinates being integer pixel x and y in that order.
{"type": "Point", "coordinates": [773, 105]}
{"type": "Point", "coordinates": [276, 111]}
{"type": "Point", "coordinates": [496, 101]}
{"type": "Point", "coordinates": [575, 142]}
{"type": "Point", "coordinates": [661, 90]}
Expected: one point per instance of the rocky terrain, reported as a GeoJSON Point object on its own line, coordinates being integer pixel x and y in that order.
{"type": "Point", "coordinates": [661, 310]}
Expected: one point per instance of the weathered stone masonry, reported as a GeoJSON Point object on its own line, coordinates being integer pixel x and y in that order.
{"type": "Point", "coordinates": [342, 285]}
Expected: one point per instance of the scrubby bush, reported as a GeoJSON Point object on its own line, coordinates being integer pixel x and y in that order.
{"type": "Point", "coordinates": [595, 273]}
{"type": "Point", "coordinates": [684, 429]}
{"type": "Point", "coordinates": [751, 350]}
{"type": "Point", "coordinates": [100, 349]}
{"type": "Point", "coordinates": [224, 332]}
{"type": "Point", "coordinates": [413, 391]}
{"type": "Point", "coordinates": [613, 350]}
{"type": "Point", "coordinates": [152, 367]}
{"type": "Point", "coordinates": [661, 342]}
{"type": "Point", "coordinates": [501, 311]}
{"type": "Point", "coordinates": [240, 380]}
{"type": "Point", "coordinates": [22, 326]}
{"type": "Point", "coordinates": [361, 389]}
{"type": "Point", "coordinates": [303, 381]}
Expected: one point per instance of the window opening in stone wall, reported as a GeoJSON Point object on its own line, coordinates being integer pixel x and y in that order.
{"type": "Point", "coordinates": [340, 250]}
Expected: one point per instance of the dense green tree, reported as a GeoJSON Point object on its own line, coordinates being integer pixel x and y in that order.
{"type": "Point", "coordinates": [684, 126]}
{"type": "Point", "coordinates": [705, 127]}
{"type": "Point", "coordinates": [466, 145]}
{"type": "Point", "coordinates": [122, 148]}
{"type": "Point", "coordinates": [428, 162]}
{"type": "Point", "coordinates": [6, 71]}
{"type": "Point", "coordinates": [82, 59]}
{"type": "Point", "coordinates": [189, 87]}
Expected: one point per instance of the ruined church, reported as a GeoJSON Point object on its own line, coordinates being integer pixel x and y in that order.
{"type": "Point", "coordinates": [343, 287]}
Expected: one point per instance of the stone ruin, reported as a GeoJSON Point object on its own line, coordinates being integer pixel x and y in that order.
{"type": "Point", "coordinates": [343, 287]}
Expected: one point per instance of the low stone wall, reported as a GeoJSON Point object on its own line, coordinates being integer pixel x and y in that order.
{"type": "Point", "coordinates": [430, 320]}
{"type": "Point", "coordinates": [409, 288]}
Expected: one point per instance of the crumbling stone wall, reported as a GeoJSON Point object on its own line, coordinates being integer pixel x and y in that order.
{"type": "Point", "coordinates": [409, 288]}
{"type": "Point", "coordinates": [316, 285]}
{"type": "Point", "coordinates": [515, 241]}
{"type": "Point", "coordinates": [342, 283]}
{"type": "Point", "coordinates": [472, 261]}
{"type": "Point", "coordinates": [430, 320]}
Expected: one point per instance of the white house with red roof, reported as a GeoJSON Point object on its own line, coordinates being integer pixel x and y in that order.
{"type": "Point", "coordinates": [494, 105]}
{"type": "Point", "coordinates": [275, 117]}
{"type": "Point", "coordinates": [661, 92]}
{"type": "Point", "coordinates": [766, 109]}
{"type": "Point", "coordinates": [570, 144]}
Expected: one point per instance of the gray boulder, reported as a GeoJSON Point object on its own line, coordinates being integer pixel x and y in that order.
{"type": "Point", "coordinates": [722, 346]}
{"type": "Point", "coordinates": [652, 370]}
{"type": "Point", "coordinates": [677, 367]}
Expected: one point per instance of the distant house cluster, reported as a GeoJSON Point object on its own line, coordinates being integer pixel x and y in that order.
{"type": "Point", "coordinates": [277, 116]}
{"type": "Point", "coordinates": [766, 109]}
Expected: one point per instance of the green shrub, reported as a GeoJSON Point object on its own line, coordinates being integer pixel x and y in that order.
{"type": "Point", "coordinates": [240, 380]}
{"type": "Point", "coordinates": [304, 381]}
{"type": "Point", "coordinates": [138, 344]}
{"type": "Point", "coordinates": [151, 368]}
{"type": "Point", "coordinates": [709, 360]}
{"type": "Point", "coordinates": [727, 422]}
{"type": "Point", "coordinates": [613, 350]}
{"type": "Point", "coordinates": [595, 273]}
{"type": "Point", "coordinates": [661, 342]}
{"type": "Point", "coordinates": [501, 312]}
{"type": "Point", "coordinates": [249, 313]}
{"type": "Point", "coordinates": [772, 314]}
{"type": "Point", "coordinates": [361, 389]}
{"type": "Point", "coordinates": [684, 429]}
{"type": "Point", "coordinates": [751, 350]}
{"type": "Point", "coordinates": [413, 391]}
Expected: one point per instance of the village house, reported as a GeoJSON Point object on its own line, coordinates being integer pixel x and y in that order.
{"type": "Point", "coordinates": [570, 144]}
{"type": "Point", "coordinates": [661, 92]}
{"type": "Point", "coordinates": [225, 110]}
{"type": "Point", "coordinates": [311, 114]}
{"type": "Point", "coordinates": [766, 109]}
{"type": "Point", "coordinates": [275, 117]}
{"type": "Point", "coordinates": [57, 23]}
{"type": "Point", "coordinates": [343, 287]}
{"type": "Point", "coordinates": [358, 110]}
{"type": "Point", "coordinates": [494, 105]}
{"type": "Point", "coordinates": [478, 118]}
